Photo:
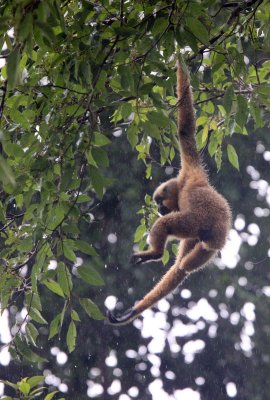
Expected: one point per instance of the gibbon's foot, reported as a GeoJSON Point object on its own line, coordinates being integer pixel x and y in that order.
{"type": "Point", "coordinates": [123, 318]}
{"type": "Point", "coordinates": [138, 258]}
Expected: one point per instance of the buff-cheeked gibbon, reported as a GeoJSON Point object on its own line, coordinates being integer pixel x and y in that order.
{"type": "Point", "coordinates": [191, 210]}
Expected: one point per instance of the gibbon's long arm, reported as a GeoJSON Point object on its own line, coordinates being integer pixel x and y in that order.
{"type": "Point", "coordinates": [186, 119]}
{"type": "Point", "coordinates": [191, 210]}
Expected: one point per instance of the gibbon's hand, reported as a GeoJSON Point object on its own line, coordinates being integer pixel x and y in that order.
{"type": "Point", "coordinates": [123, 318]}
{"type": "Point", "coordinates": [135, 259]}
{"type": "Point", "coordinates": [143, 257]}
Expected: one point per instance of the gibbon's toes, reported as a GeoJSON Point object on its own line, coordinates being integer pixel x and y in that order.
{"type": "Point", "coordinates": [121, 319]}
{"type": "Point", "coordinates": [135, 259]}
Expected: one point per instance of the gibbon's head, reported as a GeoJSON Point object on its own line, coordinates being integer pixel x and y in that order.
{"type": "Point", "coordinates": [166, 197]}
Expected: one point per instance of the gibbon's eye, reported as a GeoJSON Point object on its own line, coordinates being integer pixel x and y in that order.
{"type": "Point", "coordinates": [165, 190]}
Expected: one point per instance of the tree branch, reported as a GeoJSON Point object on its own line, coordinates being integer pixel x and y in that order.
{"type": "Point", "coordinates": [234, 15]}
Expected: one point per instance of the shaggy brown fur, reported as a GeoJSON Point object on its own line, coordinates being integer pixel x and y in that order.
{"type": "Point", "coordinates": [191, 210]}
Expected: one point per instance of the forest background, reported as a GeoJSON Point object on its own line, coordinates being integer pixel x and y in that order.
{"type": "Point", "coordinates": [88, 130]}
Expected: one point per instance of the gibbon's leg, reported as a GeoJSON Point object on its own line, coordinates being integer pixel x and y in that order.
{"type": "Point", "coordinates": [193, 260]}
{"type": "Point", "coordinates": [169, 282]}
{"type": "Point", "coordinates": [173, 275]}
{"type": "Point", "coordinates": [178, 224]}
{"type": "Point", "coordinates": [185, 246]}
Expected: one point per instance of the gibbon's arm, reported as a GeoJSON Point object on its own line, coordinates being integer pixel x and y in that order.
{"type": "Point", "coordinates": [186, 119]}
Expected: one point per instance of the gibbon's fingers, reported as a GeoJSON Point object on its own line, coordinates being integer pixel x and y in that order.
{"type": "Point", "coordinates": [122, 319]}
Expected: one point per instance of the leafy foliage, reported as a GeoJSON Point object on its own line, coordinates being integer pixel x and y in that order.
{"type": "Point", "coordinates": [28, 388]}
{"type": "Point", "coordinates": [73, 75]}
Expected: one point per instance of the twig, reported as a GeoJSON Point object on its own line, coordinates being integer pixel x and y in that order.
{"type": "Point", "coordinates": [2, 105]}
{"type": "Point", "coordinates": [235, 14]}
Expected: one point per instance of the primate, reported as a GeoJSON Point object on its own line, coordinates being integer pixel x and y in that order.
{"type": "Point", "coordinates": [191, 210]}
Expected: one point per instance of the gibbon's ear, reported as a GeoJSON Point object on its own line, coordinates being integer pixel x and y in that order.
{"type": "Point", "coordinates": [122, 319]}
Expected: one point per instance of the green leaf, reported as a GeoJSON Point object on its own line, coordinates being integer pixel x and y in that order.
{"type": "Point", "coordinates": [165, 257]}
{"type": "Point", "coordinates": [31, 333]}
{"type": "Point", "coordinates": [242, 111]}
{"type": "Point", "coordinates": [126, 110]}
{"type": "Point", "coordinates": [51, 395]}
{"type": "Point", "coordinates": [12, 385]}
{"type": "Point", "coordinates": [132, 134]}
{"type": "Point", "coordinates": [86, 73]}
{"type": "Point", "coordinates": [140, 232]}
{"type": "Point", "coordinates": [64, 278]}
{"type": "Point", "coordinates": [83, 198]}
{"type": "Point", "coordinates": [204, 134]}
{"type": "Point", "coordinates": [90, 275]}
{"type": "Point", "coordinates": [13, 67]}
{"type": "Point", "coordinates": [35, 380]}
{"type": "Point", "coordinates": [97, 181]}
{"type": "Point", "coordinates": [256, 114]}
{"type": "Point", "coordinates": [91, 309]}
{"type": "Point", "coordinates": [13, 150]}
{"type": "Point", "coordinates": [202, 120]}
{"type": "Point", "coordinates": [36, 316]}
{"type": "Point", "coordinates": [126, 77]}
{"type": "Point", "coordinates": [6, 174]}
{"type": "Point", "coordinates": [232, 155]}
{"type": "Point", "coordinates": [100, 139]}
{"type": "Point", "coordinates": [33, 300]}
{"type": "Point", "coordinates": [24, 387]}
{"type": "Point", "coordinates": [160, 25]}
{"type": "Point", "coordinates": [159, 119]}
{"type": "Point", "coordinates": [125, 31]}
{"type": "Point", "coordinates": [100, 156]}
{"type": "Point", "coordinates": [90, 158]}
{"type": "Point", "coordinates": [26, 352]}
{"type": "Point", "coordinates": [68, 252]}
{"type": "Point", "coordinates": [55, 326]}
{"type": "Point", "coordinates": [54, 287]}
{"type": "Point", "coordinates": [26, 26]}
{"type": "Point", "coordinates": [85, 248]}
{"type": "Point", "coordinates": [228, 98]}
{"type": "Point", "coordinates": [71, 336]}
{"type": "Point", "coordinates": [197, 28]}
{"type": "Point", "coordinates": [75, 315]}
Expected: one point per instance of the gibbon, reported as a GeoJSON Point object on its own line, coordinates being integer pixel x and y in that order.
{"type": "Point", "coordinates": [191, 210]}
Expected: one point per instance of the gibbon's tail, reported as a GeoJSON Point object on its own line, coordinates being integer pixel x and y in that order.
{"type": "Point", "coordinates": [186, 118]}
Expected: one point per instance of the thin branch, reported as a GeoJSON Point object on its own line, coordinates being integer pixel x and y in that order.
{"type": "Point", "coordinates": [143, 56]}
{"type": "Point", "coordinates": [32, 254]}
{"type": "Point", "coordinates": [234, 15]}
{"type": "Point", "coordinates": [2, 104]}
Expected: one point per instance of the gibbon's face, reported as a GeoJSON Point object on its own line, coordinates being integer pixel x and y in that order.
{"type": "Point", "coordinates": [166, 197]}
